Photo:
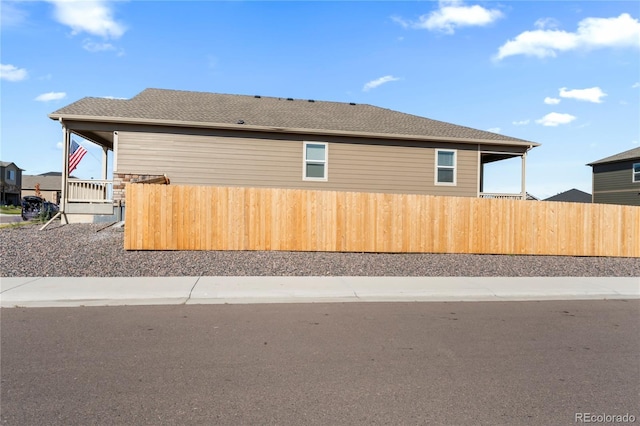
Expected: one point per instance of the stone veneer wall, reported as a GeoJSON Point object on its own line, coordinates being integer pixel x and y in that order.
{"type": "Point", "coordinates": [119, 181]}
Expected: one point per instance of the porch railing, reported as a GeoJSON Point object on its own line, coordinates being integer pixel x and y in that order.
{"type": "Point", "coordinates": [90, 191]}
{"type": "Point", "coordinates": [501, 196]}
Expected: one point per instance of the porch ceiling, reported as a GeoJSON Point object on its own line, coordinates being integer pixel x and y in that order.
{"type": "Point", "coordinates": [102, 138]}
{"type": "Point", "coordinates": [490, 157]}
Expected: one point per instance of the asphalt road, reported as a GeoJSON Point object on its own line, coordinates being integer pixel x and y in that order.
{"type": "Point", "coordinates": [10, 218]}
{"type": "Point", "coordinates": [492, 363]}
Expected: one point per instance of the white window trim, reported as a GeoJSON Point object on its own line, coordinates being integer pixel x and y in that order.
{"type": "Point", "coordinates": [325, 162]}
{"type": "Point", "coordinates": [633, 173]}
{"type": "Point", "coordinates": [454, 168]}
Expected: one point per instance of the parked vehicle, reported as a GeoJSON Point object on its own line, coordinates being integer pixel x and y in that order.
{"type": "Point", "coordinates": [35, 207]}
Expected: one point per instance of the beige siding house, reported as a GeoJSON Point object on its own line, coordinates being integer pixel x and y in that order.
{"type": "Point", "coordinates": [198, 138]}
{"type": "Point", "coordinates": [49, 184]}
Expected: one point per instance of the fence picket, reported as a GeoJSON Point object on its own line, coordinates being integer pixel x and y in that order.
{"type": "Point", "coordinates": [169, 217]}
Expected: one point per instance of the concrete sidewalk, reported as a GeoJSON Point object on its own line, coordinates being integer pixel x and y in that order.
{"type": "Point", "coordinates": [113, 291]}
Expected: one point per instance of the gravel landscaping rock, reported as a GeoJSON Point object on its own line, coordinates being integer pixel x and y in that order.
{"type": "Point", "coordinates": [81, 250]}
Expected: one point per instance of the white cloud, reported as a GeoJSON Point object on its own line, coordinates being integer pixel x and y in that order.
{"type": "Point", "coordinates": [636, 85]}
{"type": "Point", "coordinates": [521, 122]}
{"type": "Point", "coordinates": [93, 47]}
{"type": "Point", "coordinates": [551, 101]}
{"type": "Point", "coordinates": [554, 119]}
{"type": "Point", "coordinates": [494, 130]}
{"type": "Point", "coordinates": [12, 73]}
{"type": "Point", "coordinates": [59, 145]}
{"type": "Point", "coordinates": [544, 23]}
{"type": "Point", "coordinates": [452, 14]}
{"type": "Point", "coordinates": [593, 94]}
{"type": "Point", "coordinates": [375, 83]}
{"type": "Point", "coordinates": [91, 16]}
{"type": "Point", "coordinates": [592, 33]}
{"type": "Point", "coordinates": [403, 23]}
{"type": "Point", "coordinates": [11, 15]}
{"type": "Point", "coordinates": [51, 96]}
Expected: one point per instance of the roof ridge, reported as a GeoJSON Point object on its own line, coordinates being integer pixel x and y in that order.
{"type": "Point", "coordinates": [257, 96]}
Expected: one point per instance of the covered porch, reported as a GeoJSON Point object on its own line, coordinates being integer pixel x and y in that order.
{"type": "Point", "coordinates": [488, 156]}
{"type": "Point", "coordinates": [82, 199]}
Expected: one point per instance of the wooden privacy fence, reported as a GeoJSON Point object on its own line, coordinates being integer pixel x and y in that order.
{"type": "Point", "coordinates": [160, 217]}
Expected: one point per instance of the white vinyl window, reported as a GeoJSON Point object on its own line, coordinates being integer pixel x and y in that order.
{"type": "Point", "coordinates": [315, 161]}
{"type": "Point", "coordinates": [445, 167]}
{"type": "Point", "coordinates": [636, 172]}
{"type": "Point", "coordinates": [11, 175]}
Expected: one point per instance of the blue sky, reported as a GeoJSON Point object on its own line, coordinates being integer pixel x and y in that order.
{"type": "Point", "coordinates": [564, 74]}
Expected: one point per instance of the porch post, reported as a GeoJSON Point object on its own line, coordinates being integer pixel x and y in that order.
{"type": "Point", "coordinates": [524, 169]}
{"type": "Point", "coordinates": [64, 190]}
{"type": "Point", "coordinates": [104, 163]}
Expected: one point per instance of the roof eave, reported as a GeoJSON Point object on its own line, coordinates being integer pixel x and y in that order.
{"type": "Point", "coordinates": [245, 127]}
{"type": "Point", "coordinates": [620, 160]}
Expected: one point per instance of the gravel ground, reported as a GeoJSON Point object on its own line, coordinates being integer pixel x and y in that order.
{"type": "Point", "coordinates": [97, 250]}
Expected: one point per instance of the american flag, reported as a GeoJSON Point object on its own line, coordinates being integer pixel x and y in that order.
{"type": "Point", "coordinates": [75, 155]}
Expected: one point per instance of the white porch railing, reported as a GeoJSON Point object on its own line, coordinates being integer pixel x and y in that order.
{"type": "Point", "coordinates": [90, 191]}
{"type": "Point", "coordinates": [502, 196]}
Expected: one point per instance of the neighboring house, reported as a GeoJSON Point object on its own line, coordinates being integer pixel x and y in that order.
{"type": "Point", "coordinates": [199, 138]}
{"type": "Point", "coordinates": [10, 183]}
{"type": "Point", "coordinates": [616, 179]}
{"type": "Point", "coordinates": [50, 185]}
{"type": "Point", "coordinates": [571, 196]}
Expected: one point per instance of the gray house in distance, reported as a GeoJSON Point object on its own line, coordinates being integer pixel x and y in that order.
{"type": "Point", "coordinates": [196, 138]}
{"type": "Point", "coordinates": [616, 179]}
{"type": "Point", "coordinates": [571, 196]}
{"type": "Point", "coordinates": [10, 183]}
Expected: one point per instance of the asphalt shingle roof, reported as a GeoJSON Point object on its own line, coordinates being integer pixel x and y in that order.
{"type": "Point", "coordinates": [622, 156]}
{"type": "Point", "coordinates": [213, 108]}
{"type": "Point", "coordinates": [47, 183]}
{"type": "Point", "coordinates": [8, 163]}
{"type": "Point", "coordinates": [572, 196]}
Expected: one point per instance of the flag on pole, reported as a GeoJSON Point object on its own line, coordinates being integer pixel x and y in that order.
{"type": "Point", "coordinates": [75, 155]}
